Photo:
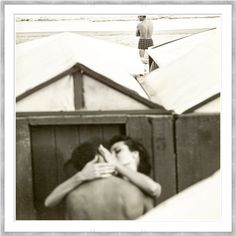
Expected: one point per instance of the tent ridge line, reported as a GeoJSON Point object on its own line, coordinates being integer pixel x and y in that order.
{"type": "Point", "coordinates": [200, 104]}
{"type": "Point", "coordinates": [182, 38]}
{"type": "Point", "coordinates": [78, 67]}
{"type": "Point", "coordinates": [103, 79]}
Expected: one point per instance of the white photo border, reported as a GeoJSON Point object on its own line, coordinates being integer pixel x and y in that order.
{"type": "Point", "coordinates": [8, 108]}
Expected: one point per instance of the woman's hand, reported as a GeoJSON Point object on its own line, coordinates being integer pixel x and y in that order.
{"type": "Point", "coordinates": [107, 155]}
{"type": "Point", "coordinates": [96, 169]}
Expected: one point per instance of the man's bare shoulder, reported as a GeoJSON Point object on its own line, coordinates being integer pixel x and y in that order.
{"type": "Point", "coordinates": [139, 25]}
{"type": "Point", "coordinates": [114, 183]}
{"type": "Point", "coordinates": [108, 198]}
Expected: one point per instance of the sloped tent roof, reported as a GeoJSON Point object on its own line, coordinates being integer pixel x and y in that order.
{"type": "Point", "coordinates": [201, 201]}
{"type": "Point", "coordinates": [40, 61]}
{"type": "Point", "coordinates": [189, 73]}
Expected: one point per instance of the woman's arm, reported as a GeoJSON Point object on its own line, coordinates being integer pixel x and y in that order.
{"type": "Point", "coordinates": [56, 196]}
{"type": "Point", "coordinates": [92, 170]}
{"type": "Point", "coordinates": [142, 181]}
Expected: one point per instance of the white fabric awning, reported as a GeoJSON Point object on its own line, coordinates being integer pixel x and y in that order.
{"type": "Point", "coordinates": [189, 73]}
{"type": "Point", "coordinates": [40, 60]}
{"type": "Point", "coordinates": [201, 201]}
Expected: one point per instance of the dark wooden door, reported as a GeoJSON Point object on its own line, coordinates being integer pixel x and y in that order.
{"type": "Point", "coordinates": [52, 146]}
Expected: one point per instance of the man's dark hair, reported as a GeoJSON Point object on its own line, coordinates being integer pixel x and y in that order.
{"type": "Point", "coordinates": [80, 156]}
{"type": "Point", "coordinates": [144, 166]}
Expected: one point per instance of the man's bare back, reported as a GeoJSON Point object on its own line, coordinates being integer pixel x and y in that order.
{"type": "Point", "coordinates": [107, 199]}
{"type": "Point", "coordinates": [145, 29]}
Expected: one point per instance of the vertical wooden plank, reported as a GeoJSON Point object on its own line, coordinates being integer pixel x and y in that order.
{"type": "Point", "coordinates": [24, 184]}
{"type": "Point", "coordinates": [164, 161]}
{"type": "Point", "coordinates": [78, 90]}
{"type": "Point", "coordinates": [88, 133]}
{"type": "Point", "coordinates": [66, 138]}
{"type": "Point", "coordinates": [198, 147]}
{"type": "Point", "coordinates": [139, 128]}
{"type": "Point", "coordinates": [44, 169]}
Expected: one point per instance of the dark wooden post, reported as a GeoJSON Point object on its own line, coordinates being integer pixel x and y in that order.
{"type": "Point", "coordinates": [24, 184]}
{"type": "Point", "coordinates": [164, 158]}
{"type": "Point", "coordinates": [78, 89]}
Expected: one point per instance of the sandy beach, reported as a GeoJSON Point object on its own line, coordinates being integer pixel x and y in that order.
{"type": "Point", "coordinates": [118, 30]}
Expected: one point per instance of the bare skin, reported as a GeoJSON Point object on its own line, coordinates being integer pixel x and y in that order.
{"type": "Point", "coordinates": [92, 170]}
{"type": "Point", "coordinates": [126, 162]}
{"type": "Point", "coordinates": [144, 31]}
{"type": "Point", "coordinates": [113, 198]}
{"type": "Point", "coordinates": [110, 198]}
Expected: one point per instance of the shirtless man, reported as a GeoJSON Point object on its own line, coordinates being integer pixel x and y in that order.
{"type": "Point", "coordinates": [94, 193]}
{"type": "Point", "coordinates": [144, 31]}
{"type": "Point", "coordinates": [110, 198]}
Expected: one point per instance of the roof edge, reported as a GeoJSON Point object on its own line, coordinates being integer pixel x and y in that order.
{"type": "Point", "coordinates": [45, 84]}
{"type": "Point", "coordinates": [200, 104]}
{"type": "Point", "coordinates": [101, 78]}
{"type": "Point", "coordinates": [105, 80]}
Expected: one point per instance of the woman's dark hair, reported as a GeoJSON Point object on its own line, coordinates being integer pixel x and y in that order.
{"type": "Point", "coordinates": [144, 166]}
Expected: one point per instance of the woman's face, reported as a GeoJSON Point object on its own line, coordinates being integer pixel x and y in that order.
{"type": "Point", "coordinates": [126, 157]}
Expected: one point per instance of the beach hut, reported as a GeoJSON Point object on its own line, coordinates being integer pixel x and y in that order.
{"type": "Point", "coordinates": [187, 81]}
{"type": "Point", "coordinates": [189, 73]}
{"type": "Point", "coordinates": [72, 89]}
{"type": "Point", "coordinates": [49, 71]}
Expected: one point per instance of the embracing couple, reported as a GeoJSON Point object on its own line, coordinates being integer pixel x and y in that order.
{"type": "Point", "coordinates": [109, 184]}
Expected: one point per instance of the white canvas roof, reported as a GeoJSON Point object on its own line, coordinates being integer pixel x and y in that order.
{"type": "Point", "coordinates": [40, 60]}
{"type": "Point", "coordinates": [189, 73]}
{"type": "Point", "coordinates": [201, 201]}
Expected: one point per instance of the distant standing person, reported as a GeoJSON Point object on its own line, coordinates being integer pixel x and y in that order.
{"type": "Point", "coordinates": [144, 31]}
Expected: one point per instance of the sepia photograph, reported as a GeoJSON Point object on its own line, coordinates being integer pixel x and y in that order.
{"type": "Point", "coordinates": [118, 116]}
{"type": "Point", "coordinates": [137, 84]}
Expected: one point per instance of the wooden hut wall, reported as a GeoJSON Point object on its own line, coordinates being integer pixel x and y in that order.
{"type": "Point", "coordinates": [182, 151]}
{"type": "Point", "coordinates": [52, 140]}
{"type": "Point", "coordinates": [197, 147]}
{"type": "Point", "coordinates": [24, 182]}
{"type": "Point", "coordinates": [156, 134]}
